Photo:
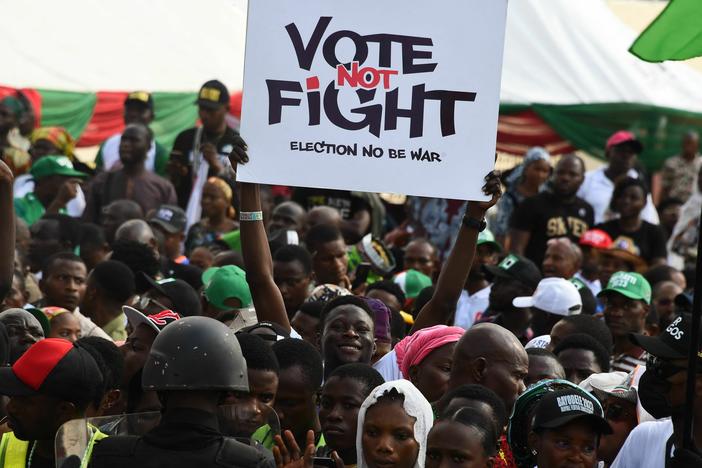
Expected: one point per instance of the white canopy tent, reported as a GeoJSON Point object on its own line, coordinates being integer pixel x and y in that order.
{"type": "Point", "coordinates": [556, 51]}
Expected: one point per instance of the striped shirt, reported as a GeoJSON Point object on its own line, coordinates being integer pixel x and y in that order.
{"type": "Point", "coordinates": [627, 362]}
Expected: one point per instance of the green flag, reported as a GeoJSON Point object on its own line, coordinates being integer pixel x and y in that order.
{"type": "Point", "coordinates": [676, 34]}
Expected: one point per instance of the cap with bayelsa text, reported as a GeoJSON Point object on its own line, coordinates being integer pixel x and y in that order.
{"type": "Point", "coordinates": [672, 343]}
{"type": "Point", "coordinates": [556, 409]}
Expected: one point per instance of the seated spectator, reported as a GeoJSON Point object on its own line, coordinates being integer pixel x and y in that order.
{"type": "Point", "coordinates": [217, 215]}
{"type": "Point", "coordinates": [23, 330]}
{"type": "Point", "coordinates": [138, 109]}
{"type": "Point", "coordinates": [669, 211]}
{"type": "Point", "coordinates": [627, 299]}
{"type": "Point", "coordinates": [395, 407]}
{"type": "Point", "coordinates": [475, 296]}
{"type": "Point", "coordinates": [581, 356]}
{"type": "Point", "coordinates": [298, 383]}
{"type": "Point", "coordinates": [341, 398]}
{"type": "Point", "coordinates": [678, 172]}
{"type": "Point", "coordinates": [628, 200]}
{"type": "Point", "coordinates": [543, 365]}
{"type": "Point", "coordinates": [553, 299]}
{"type": "Point", "coordinates": [622, 150]}
{"type": "Point", "coordinates": [63, 324]}
{"type": "Point", "coordinates": [524, 181]}
{"type": "Point", "coordinates": [465, 435]}
{"type": "Point", "coordinates": [109, 286]}
{"type": "Point", "coordinates": [56, 183]}
{"type": "Point", "coordinates": [553, 213]}
{"type": "Point", "coordinates": [14, 147]}
{"type": "Point", "coordinates": [132, 181]}
{"type": "Point", "coordinates": [329, 260]}
{"type": "Point", "coordinates": [292, 273]}
{"type": "Point", "coordinates": [578, 425]}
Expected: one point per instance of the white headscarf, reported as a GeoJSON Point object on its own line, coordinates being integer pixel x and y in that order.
{"type": "Point", "coordinates": [415, 405]}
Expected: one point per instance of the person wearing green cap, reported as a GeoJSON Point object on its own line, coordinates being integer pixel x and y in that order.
{"type": "Point", "coordinates": [56, 183]}
{"type": "Point", "coordinates": [475, 296]}
{"type": "Point", "coordinates": [626, 299]}
{"type": "Point", "coordinates": [225, 289]}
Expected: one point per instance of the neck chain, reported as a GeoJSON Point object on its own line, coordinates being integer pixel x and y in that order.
{"type": "Point", "coordinates": [31, 454]}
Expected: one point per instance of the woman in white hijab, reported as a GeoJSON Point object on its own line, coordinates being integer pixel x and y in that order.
{"type": "Point", "coordinates": [393, 424]}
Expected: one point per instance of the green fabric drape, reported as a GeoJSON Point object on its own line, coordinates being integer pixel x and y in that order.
{"type": "Point", "coordinates": [71, 110]}
{"type": "Point", "coordinates": [175, 112]}
{"type": "Point", "coordinates": [587, 127]}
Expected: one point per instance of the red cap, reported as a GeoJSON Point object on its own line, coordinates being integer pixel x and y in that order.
{"type": "Point", "coordinates": [624, 136]}
{"type": "Point", "coordinates": [53, 367]}
{"type": "Point", "coordinates": [596, 238]}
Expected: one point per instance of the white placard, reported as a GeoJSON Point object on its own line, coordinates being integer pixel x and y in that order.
{"type": "Point", "coordinates": [396, 96]}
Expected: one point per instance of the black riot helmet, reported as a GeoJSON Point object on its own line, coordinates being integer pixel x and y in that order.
{"type": "Point", "coordinates": [196, 353]}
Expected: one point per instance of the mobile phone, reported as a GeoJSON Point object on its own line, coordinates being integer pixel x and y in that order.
{"type": "Point", "coordinates": [362, 271]}
{"type": "Point", "coordinates": [323, 462]}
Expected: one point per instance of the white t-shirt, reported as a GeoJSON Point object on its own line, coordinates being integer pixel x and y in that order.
{"type": "Point", "coordinates": [110, 154]}
{"type": "Point", "coordinates": [471, 307]}
{"type": "Point", "coordinates": [387, 367]}
{"type": "Point", "coordinates": [645, 447]}
{"type": "Point", "coordinates": [597, 191]}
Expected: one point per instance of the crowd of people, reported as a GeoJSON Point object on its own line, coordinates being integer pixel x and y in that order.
{"type": "Point", "coordinates": [177, 317]}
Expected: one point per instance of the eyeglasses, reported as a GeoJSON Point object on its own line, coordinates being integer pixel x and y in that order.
{"type": "Point", "coordinates": [143, 302]}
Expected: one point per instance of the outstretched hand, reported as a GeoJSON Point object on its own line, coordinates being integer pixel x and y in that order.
{"type": "Point", "coordinates": [492, 188]}
{"type": "Point", "coordinates": [287, 453]}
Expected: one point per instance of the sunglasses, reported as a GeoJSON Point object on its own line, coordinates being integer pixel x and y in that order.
{"type": "Point", "coordinates": [144, 301]}
{"type": "Point", "coordinates": [665, 369]}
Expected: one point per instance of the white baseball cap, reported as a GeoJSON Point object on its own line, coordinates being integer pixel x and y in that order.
{"type": "Point", "coordinates": [554, 295]}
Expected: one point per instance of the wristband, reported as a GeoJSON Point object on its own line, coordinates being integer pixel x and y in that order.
{"type": "Point", "coordinates": [473, 223]}
{"type": "Point", "coordinates": [251, 216]}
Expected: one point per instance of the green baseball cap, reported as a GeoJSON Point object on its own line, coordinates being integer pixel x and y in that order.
{"type": "Point", "coordinates": [629, 284]}
{"type": "Point", "coordinates": [227, 282]}
{"type": "Point", "coordinates": [54, 165]}
{"type": "Point", "coordinates": [412, 282]}
{"type": "Point", "coordinates": [485, 237]}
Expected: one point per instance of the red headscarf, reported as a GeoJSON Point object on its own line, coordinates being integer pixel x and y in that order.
{"type": "Point", "coordinates": [412, 350]}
